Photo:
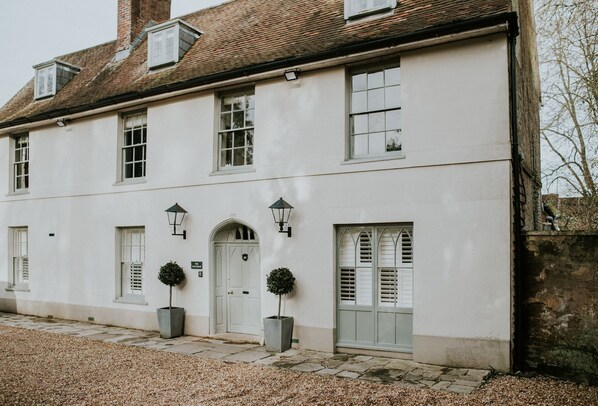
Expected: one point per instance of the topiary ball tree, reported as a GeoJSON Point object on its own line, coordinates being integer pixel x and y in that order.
{"type": "Point", "coordinates": [280, 281]}
{"type": "Point", "coordinates": [171, 274]}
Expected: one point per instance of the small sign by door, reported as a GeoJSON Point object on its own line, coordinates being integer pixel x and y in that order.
{"type": "Point", "coordinates": [196, 265]}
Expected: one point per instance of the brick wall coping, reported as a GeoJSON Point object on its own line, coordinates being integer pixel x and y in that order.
{"type": "Point", "coordinates": [560, 233]}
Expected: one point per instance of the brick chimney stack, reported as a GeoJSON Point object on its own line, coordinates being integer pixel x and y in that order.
{"type": "Point", "coordinates": [133, 16]}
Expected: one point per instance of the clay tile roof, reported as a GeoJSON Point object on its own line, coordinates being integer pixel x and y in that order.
{"type": "Point", "coordinates": [244, 36]}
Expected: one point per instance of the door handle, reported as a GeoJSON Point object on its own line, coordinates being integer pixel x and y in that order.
{"type": "Point", "coordinates": [245, 292]}
{"type": "Point", "coordinates": [230, 292]}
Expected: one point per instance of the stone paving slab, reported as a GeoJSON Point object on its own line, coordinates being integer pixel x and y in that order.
{"type": "Point", "coordinates": [401, 372]}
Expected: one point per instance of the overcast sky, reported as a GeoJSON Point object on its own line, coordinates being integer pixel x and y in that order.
{"type": "Point", "coordinates": [35, 31]}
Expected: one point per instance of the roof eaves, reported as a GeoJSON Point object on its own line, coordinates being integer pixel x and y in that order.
{"type": "Point", "coordinates": [431, 32]}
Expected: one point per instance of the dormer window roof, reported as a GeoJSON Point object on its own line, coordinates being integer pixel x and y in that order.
{"type": "Point", "coordinates": [169, 41]}
{"type": "Point", "coordinates": [52, 76]}
{"type": "Point", "coordinates": [359, 8]}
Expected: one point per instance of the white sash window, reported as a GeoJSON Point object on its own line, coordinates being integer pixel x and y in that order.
{"type": "Point", "coordinates": [20, 257]}
{"type": "Point", "coordinates": [132, 261]}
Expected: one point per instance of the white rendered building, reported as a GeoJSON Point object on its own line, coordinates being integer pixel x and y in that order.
{"type": "Point", "coordinates": [394, 146]}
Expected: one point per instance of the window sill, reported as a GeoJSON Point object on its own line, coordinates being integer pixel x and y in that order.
{"type": "Point", "coordinates": [131, 300]}
{"type": "Point", "coordinates": [17, 289]}
{"type": "Point", "coordinates": [244, 169]}
{"type": "Point", "coordinates": [18, 192]}
{"type": "Point", "coordinates": [134, 181]}
{"type": "Point", "coordinates": [389, 157]}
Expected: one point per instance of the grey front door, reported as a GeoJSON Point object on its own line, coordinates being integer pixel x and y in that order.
{"type": "Point", "coordinates": [243, 289]}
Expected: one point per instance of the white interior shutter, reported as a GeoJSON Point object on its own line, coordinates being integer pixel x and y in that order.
{"type": "Point", "coordinates": [136, 273]}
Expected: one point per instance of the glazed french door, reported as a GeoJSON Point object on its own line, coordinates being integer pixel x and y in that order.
{"type": "Point", "coordinates": [375, 287]}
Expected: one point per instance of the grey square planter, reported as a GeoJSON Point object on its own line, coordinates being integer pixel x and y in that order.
{"type": "Point", "coordinates": [171, 321]}
{"type": "Point", "coordinates": [278, 333]}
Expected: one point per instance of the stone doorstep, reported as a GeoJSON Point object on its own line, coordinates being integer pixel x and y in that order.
{"type": "Point", "coordinates": [186, 348]}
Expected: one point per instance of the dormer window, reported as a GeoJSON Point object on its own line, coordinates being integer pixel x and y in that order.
{"type": "Point", "coordinates": [359, 8]}
{"type": "Point", "coordinates": [168, 42]}
{"type": "Point", "coordinates": [52, 76]}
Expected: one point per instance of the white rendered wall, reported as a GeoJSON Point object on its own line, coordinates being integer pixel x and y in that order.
{"type": "Point", "coordinates": [453, 185]}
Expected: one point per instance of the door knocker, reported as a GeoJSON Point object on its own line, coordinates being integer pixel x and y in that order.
{"type": "Point", "coordinates": [245, 257]}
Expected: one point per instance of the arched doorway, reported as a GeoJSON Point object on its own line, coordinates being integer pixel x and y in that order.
{"type": "Point", "coordinates": [235, 287]}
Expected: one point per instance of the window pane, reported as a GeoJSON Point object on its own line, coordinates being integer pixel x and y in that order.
{"type": "Point", "coordinates": [227, 140]}
{"type": "Point", "coordinates": [226, 157]}
{"type": "Point", "coordinates": [239, 157]}
{"type": "Point", "coordinates": [393, 96]}
{"type": "Point", "coordinates": [128, 138]}
{"type": "Point", "coordinates": [359, 82]}
{"type": "Point", "coordinates": [359, 102]}
{"type": "Point", "coordinates": [128, 171]}
{"type": "Point", "coordinates": [139, 172]}
{"type": "Point", "coordinates": [393, 141]}
{"type": "Point", "coordinates": [376, 122]}
{"type": "Point", "coordinates": [360, 124]}
{"type": "Point", "coordinates": [239, 140]}
{"type": "Point", "coordinates": [137, 136]}
{"type": "Point", "coordinates": [50, 81]}
{"type": "Point", "coordinates": [392, 76]}
{"type": "Point", "coordinates": [376, 99]}
{"type": "Point", "coordinates": [360, 145]}
{"type": "Point", "coordinates": [249, 137]}
{"type": "Point", "coordinates": [393, 119]}
{"type": "Point", "coordinates": [169, 54]}
{"type": "Point", "coordinates": [238, 119]}
{"type": "Point", "coordinates": [250, 101]}
{"type": "Point", "coordinates": [128, 155]}
{"type": "Point", "coordinates": [249, 156]}
{"type": "Point", "coordinates": [225, 121]}
{"type": "Point", "coordinates": [249, 118]}
{"type": "Point", "coordinates": [227, 104]}
{"type": "Point", "coordinates": [138, 155]}
{"type": "Point", "coordinates": [377, 143]}
{"type": "Point", "coordinates": [375, 80]}
{"type": "Point", "coordinates": [238, 103]}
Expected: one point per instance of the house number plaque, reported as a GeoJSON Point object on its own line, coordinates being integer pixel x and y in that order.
{"type": "Point", "coordinates": [196, 265]}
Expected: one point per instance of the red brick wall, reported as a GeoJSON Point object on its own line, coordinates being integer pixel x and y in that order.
{"type": "Point", "coordinates": [133, 15]}
{"type": "Point", "coordinates": [560, 309]}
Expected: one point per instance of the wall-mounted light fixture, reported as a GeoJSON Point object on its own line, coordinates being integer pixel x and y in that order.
{"type": "Point", "coordinates": [292, 74]}
{"type": "Point", "coordinates": [63, 122]}
{"type": "Point", "coordinates": [281, 211]}
{"type": "Point", "coordinates": [176, 214]}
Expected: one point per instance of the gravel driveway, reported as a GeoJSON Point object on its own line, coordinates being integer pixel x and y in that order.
{"type": "Point", "coordinates": [43, 368]}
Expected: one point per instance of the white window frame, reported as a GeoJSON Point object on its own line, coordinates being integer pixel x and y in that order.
{"type": "Point", "coordinates": [229, 136]}
{"type": "Point", "coordinates": [161, 35]}
{"type": "Point", "coordinates": [353, 9]}
{"type": "Point", "coordinates": [42, 74]}
{"type": "Point", "coordinates": [18, 278]}
{"type": "Point", "coordinates": [138, 123]}
{"type": "Point", "coordinates": [20, 168]}
{"type": "Point", "coordinates": [363, 133]}
{"type": "Point", "coordinates": [130, 288]}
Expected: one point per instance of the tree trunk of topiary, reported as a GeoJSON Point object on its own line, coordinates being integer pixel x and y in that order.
{"type": "Point", "coordinates": [279, 300]}
{"type": "Point", "coordinates": [170, 299]}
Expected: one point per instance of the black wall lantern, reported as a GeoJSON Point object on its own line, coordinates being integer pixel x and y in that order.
{"type": "Point", "coordinates": [281, 211]}
{"type": "Point", "coordinates": [176, 214]}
